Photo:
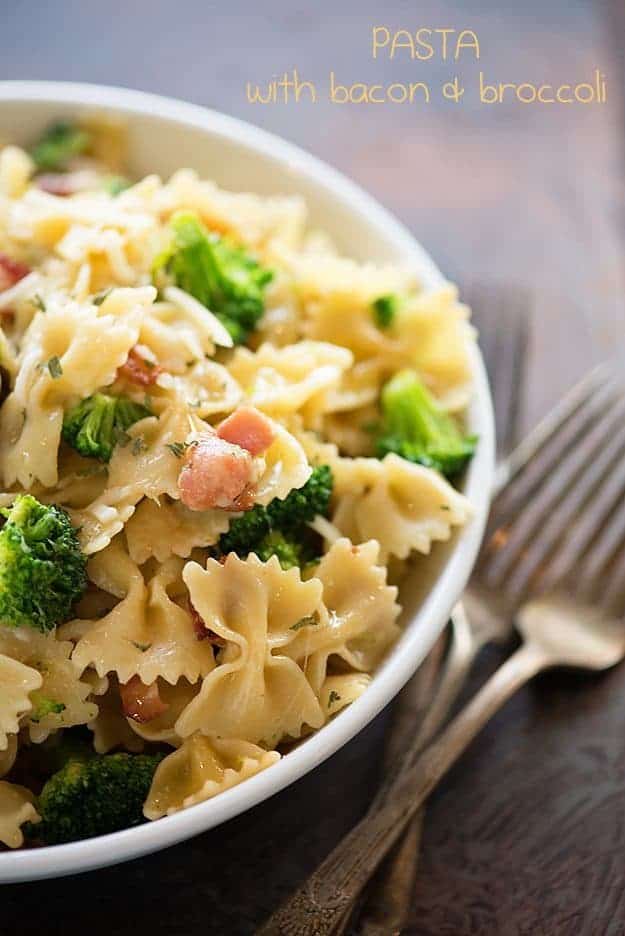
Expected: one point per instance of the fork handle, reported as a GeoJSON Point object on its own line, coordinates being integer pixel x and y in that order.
{"type": "Point", "coordinates": [387, 898]}
{"type": "Point", "coordinates": [318, 906]}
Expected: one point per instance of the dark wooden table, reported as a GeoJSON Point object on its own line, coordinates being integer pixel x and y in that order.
{"type": "Point", "coordinates": [527, 834]}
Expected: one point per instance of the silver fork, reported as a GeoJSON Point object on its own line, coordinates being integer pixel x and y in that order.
{"type": "Point", "coordinates": [502, 315]}
{"type": "Point", "coordinates": [592, 537]}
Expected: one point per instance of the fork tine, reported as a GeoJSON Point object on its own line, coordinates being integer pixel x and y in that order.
{"type": "Point", "coordinates": [560, 498]}
{"type": "Point", "coordinates": [586, 539]}
{"type": "Point", "coordinates": [609, 543]}
{"type": "Point", "coordinates": [575, 506]}
{"type": "Point", "coordinates": [545, 459]}
{"type": "Point", "coordinates": [551, 425]}
{"type": "Point", "coordinates": [551, 471]}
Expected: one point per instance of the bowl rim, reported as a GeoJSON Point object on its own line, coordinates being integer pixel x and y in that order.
{"type": "Point", "coordinates": [424, 627]}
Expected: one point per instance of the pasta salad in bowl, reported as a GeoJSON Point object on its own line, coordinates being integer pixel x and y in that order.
{"type": "Point", "coordinates": [226, 450]}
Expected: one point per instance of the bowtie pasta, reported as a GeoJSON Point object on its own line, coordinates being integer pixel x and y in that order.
{"type": "Point", "coordinates": [218, 440]}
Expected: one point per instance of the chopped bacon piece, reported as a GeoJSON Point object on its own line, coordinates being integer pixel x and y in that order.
{"type": "Point", "coordinates": [202, 632]}
{"type": "Point", "coordinates": [215, 474]}
{"type": "Point", "coordinates": [140, 702]}
{"type": "Point", "coordinates": [249, 429]}
{"type": "Point", "coordinates": [11, 272]}
{"type": "Point", "coordinates": [56, 183]}
{"type": "Point", "coordinates": [67, 183]}
{"type": "Point", "coordinates": [140, 368]}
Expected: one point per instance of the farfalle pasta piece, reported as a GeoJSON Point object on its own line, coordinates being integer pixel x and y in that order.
{"type": "Point", "coordinates": [95, 249]}
{"type": "Point", "coordinates": [200, 769]}
{"type": "Point", "coordinates": [206, 387]}
{"type": "Point", "coordinates": [147, 634]}
{"type": "Point", "coordinates": [337, 692]}
{"type": "Point", "coordinates": [337, 296]}
{"type": "Point", "coordinates": [60, 682]}
{"type": "Point", "coordinates": [110, 727]}
{"type": "Point", "coordinates": [252, 220]}
{"type": "Point", "coordinates": [171, 529]}
{"type": "Point", "coordinates": [145, 466]}
{"type": "Point", "coordinates": [280, 324]}
{"type": "Point", "coordinates": [44, 219]}
{"type": "Point", "coordinates": [146, 463]}
{"type": "Point", "coordinates": [256, 693]}
{"type": "Point", "coordinates": [429, 330]}
{"type": "Point", "coordinates": [161, 730]}
{"type": "Point", "coordinates": [180, 330]}
{"type": "Point", "coordinates": [16, 808]}
{"type": "Point", "coordinates": [361, 611]}
{"type": "Point", "coordinates": [433, 328]}
{"type": "Point", "coordinates": [68, 352]}
{"type": "Point", "coordinates": [298, 377]}
{"type": "Point", "coordinates": [17, 681]}
{"type": "Point", "coordinates": [351, 432]}
{"type": "Point", "coordinates": [286, 467]}
{"type": "Point", "coordinates": [359, 387]}
{"type": "Point", "coordinates": [404, 506]}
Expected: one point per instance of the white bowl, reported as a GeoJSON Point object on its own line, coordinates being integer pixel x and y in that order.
{"type": "Point", "coordinates": [165, 135]}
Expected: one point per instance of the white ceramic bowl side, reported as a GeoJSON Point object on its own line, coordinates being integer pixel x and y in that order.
{"type": "Point", "coordinates": [165, 135]}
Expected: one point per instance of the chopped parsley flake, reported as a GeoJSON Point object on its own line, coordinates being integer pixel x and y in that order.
{"type": "Point", "coordinates": [179, 448]}
{"type": "Point", "coordinates": [307, 621]}
{"type": "Point", "coordinates": [99, 298]}
{"type": "Point", "coordinates": [143, 647]}
{"type": "Point", "coordinates": [54, 367]}
{"type": "Point", "coordinates": [139, 445]}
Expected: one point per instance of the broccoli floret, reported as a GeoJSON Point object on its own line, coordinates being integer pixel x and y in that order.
{"type": "Point", "coordinates": [59, 144]}
{"type": "Point", "coordinates": [280, 528]}
{"type": "Point", "coordinates": [290, 554]}
{"type": "Point", "coordinates": [94, 796]}
{"type": "Point", "coordinates": [42, 568]}
{"type": "Point", "coordinates": [221, 276]}
{"type": "Point", "coordinates": [415, 427]}
{"type": "Point", "coordinates": [384, 310]}
{"type": "Point", "coordinates": [43, 706]}
{"type": "Point", "coordinates": [97, 424]}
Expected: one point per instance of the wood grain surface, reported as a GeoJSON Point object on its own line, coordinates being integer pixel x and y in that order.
{"type": "Point", "coordinates": [527, 835]}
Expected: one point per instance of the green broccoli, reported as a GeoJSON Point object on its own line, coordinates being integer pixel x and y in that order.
{"type": "Point", "coordinates": [415, 427]}
{"type": "Point", "coordinates": [281, 529]}
{"type": "Point", "coordinates": [42, 568]}
{"type": "Point", "coordinates": [99, 422]}
{"type": "Point", "coordinates": [60, 143]}
{"type": "Point", "coordinates": [384, 310]}
{"type": "Point", "coordinates": [221, 276]}
{"type": "Point", "coordinates": [43, 706]}
{"type": "Point", "coordinates": [290, 554]}
{"type": "Point", "coordinates": [115, 184]}
{"type": "Point", "coordinates": [94, 796]}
